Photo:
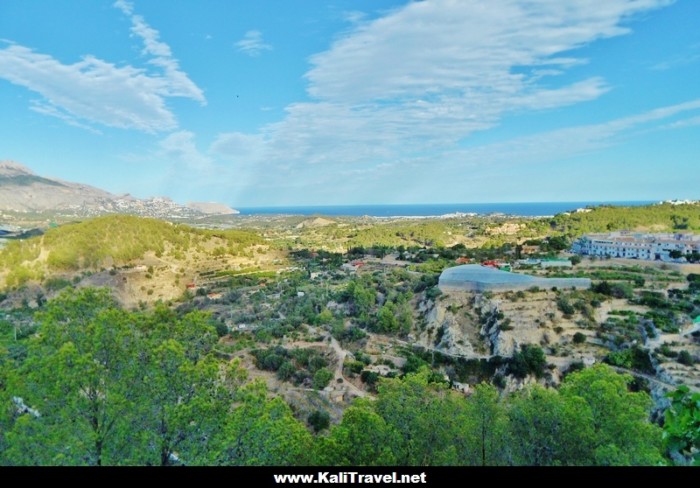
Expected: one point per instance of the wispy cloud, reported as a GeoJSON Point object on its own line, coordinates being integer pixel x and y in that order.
{"type": "Point", "coordinates": [570, 141]}
{"type": "Point", "coordinates": [179, 84]}
{"type": "Point", "coordinates": [432, 73]}
{"type": "Point", "coordinates": [354, 16]}
{"type": "Point", "coordinates": [402, 92]}
{"type": "Point", "coordinates": [238, 147]}
{"type": "Point", "coordinates": [179, 148]}
{"type": "Point", "coordinates": [690, 56]}
{"type": "Point", "coordinates": [680, 124]}
{"type": "Point", "coordinates": [47, 109]}
{"type": "Point", "coordinates": [253, 44]}
{"type": "Point", "coordinates": [94, 91]}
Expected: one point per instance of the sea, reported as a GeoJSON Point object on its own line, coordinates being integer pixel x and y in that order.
{"type": "Point", "coordinates": [524, 209]}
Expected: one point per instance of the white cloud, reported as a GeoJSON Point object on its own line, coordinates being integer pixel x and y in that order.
{"type": "Point", "coordinates": [46, 109]}
{"type": "Point", "coordinates": [179, 84]}
{"type": "Point", "coordinates": [252, 44]}
{"type": "Point", "coordinates": [180, 149]}
{"type": "Point", "coordinates": [97, 91]}
{"type": "Point", "coordinates": [426, 76]}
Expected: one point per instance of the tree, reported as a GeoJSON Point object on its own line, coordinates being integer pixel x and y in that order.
{"type": "Point", "coordinates": [111, 387]}
{"type": "Point", "coordinates": [485, 429]}
{"type": "Point", "coordinates": [261, 432]}
{"type": "Point", "coordinates": [418, 412]}
{"type": "Point", "coordinates": [530, 359]}
{"type": "Point", "coordinates": [622, 434]}
{"type": "Point", "coordinates": [319, 420]}
{"type": "Point", "coordinates": [363, 438]}
{"type": "Point", "coordinates": [549, 429]}
{"type": "Point", "coordinates": [83, 387]}
{"type": "Point", "coordinates": [387, 321]}
{"type": "Point", "coordinates": [180, 406]}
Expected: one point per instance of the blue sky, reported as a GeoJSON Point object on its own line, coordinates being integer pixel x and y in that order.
{"type": "Point", "coordinates": [297, 102]}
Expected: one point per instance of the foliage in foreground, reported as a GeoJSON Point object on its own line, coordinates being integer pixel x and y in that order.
{"type": "Point", "coordinates": [102, 386]}
{"type": "Point", "coordinates": [682, 426]}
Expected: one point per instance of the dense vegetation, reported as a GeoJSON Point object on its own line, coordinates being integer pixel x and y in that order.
{"type": "Point", "coordinates": [110, 241]}
{"type": "Point", "coordinates": [656, 218]}
{"type": "Point", "coordinates": [99, 385]}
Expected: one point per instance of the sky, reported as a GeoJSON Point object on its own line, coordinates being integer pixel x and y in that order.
{"type": "Point", "coordinates": [301, 102]}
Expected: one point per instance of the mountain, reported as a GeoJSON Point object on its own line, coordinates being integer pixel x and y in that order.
{"type": "Point", "coordinates": [23, 191]}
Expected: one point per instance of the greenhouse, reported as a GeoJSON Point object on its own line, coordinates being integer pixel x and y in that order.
{"type": "Point", "coordinates": [475, 277]}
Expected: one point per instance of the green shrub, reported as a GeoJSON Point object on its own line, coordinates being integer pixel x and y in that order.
{"type": "Point", "coordinates": [684, 357]}
{"type": "Point", "coordinates": [579, 338]}
{"type": "Point", "coordinates": [370, 378]}
{"type": "Point", "coordinates": [530, 359]}
{"type": "Point", "coordinates": [321, 378]}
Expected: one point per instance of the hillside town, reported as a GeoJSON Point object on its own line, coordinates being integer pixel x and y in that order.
{"type": "Point", "coordinates": [633, 245]}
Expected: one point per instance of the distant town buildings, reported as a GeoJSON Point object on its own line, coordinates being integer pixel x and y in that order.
{"type": "Point", "coordinates": [654, 247]}
{"type": "Point", "coordinates": [679, 202]}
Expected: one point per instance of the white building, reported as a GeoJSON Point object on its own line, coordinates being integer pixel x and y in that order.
{"type": "Point", "coordinates": [636, 246]}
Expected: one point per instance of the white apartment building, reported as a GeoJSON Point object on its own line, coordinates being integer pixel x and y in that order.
{"type": "Point", "coordinates": [636, 246]}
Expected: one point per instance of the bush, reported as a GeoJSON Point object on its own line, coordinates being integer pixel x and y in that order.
{"type": "Point", "coordinates": [370, 378]}
{"type": "Point", "coordinates": [55, 284]}
{"type": "Point", "coordinates": [529, 360]}
{"type": "Point", "coordinates": [684, 357]}
{"type": "Point", "coordinates": [579, 338]}
{"type": "Point", "coordinates": [221, 328]}
{"type": "Point", "coordinates": [575, 366]}
{"type": "Point", "coordinates": [355, 367]}
{"type": "Point", "coordinates": [286, 371]}
{"type": "Point", "coordinates": [433, 293]}
{"type": "Point", "coordinates": [321, 379]}
{"type": "Point", "coordinates": [505, 325]}
{"type": "Point", "coordinates": [665, 350]}
{"type": "Point", "coordinates": [566, 308]}
{"type": "Point", "coordinates": [633, 358]}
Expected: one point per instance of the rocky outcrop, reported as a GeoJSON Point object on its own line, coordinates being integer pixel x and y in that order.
{"type": "Point", "coordinates": [212, 208]}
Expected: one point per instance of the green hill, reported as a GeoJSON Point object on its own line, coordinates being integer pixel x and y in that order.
{"type": "Point", "coordinates": [648, 218]}
{"type": "Point", "coordinates": [114, 240]}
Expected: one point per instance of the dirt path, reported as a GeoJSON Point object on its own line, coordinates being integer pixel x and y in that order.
{"type": "Point", "coordinates": [652, 379]}
{"type": "Point", "coordinates": [341, 353]}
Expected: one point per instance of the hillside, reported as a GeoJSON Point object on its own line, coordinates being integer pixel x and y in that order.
{"type": "Point", "coordinates": [664, 217]}
{"type": "Point", "coordinates": [142, 258]}
{"type": "Point", "coordinates": [322, 331]}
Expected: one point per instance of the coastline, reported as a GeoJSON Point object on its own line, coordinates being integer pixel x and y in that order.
{"type": "Point", "coordinates": [443, 211]}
